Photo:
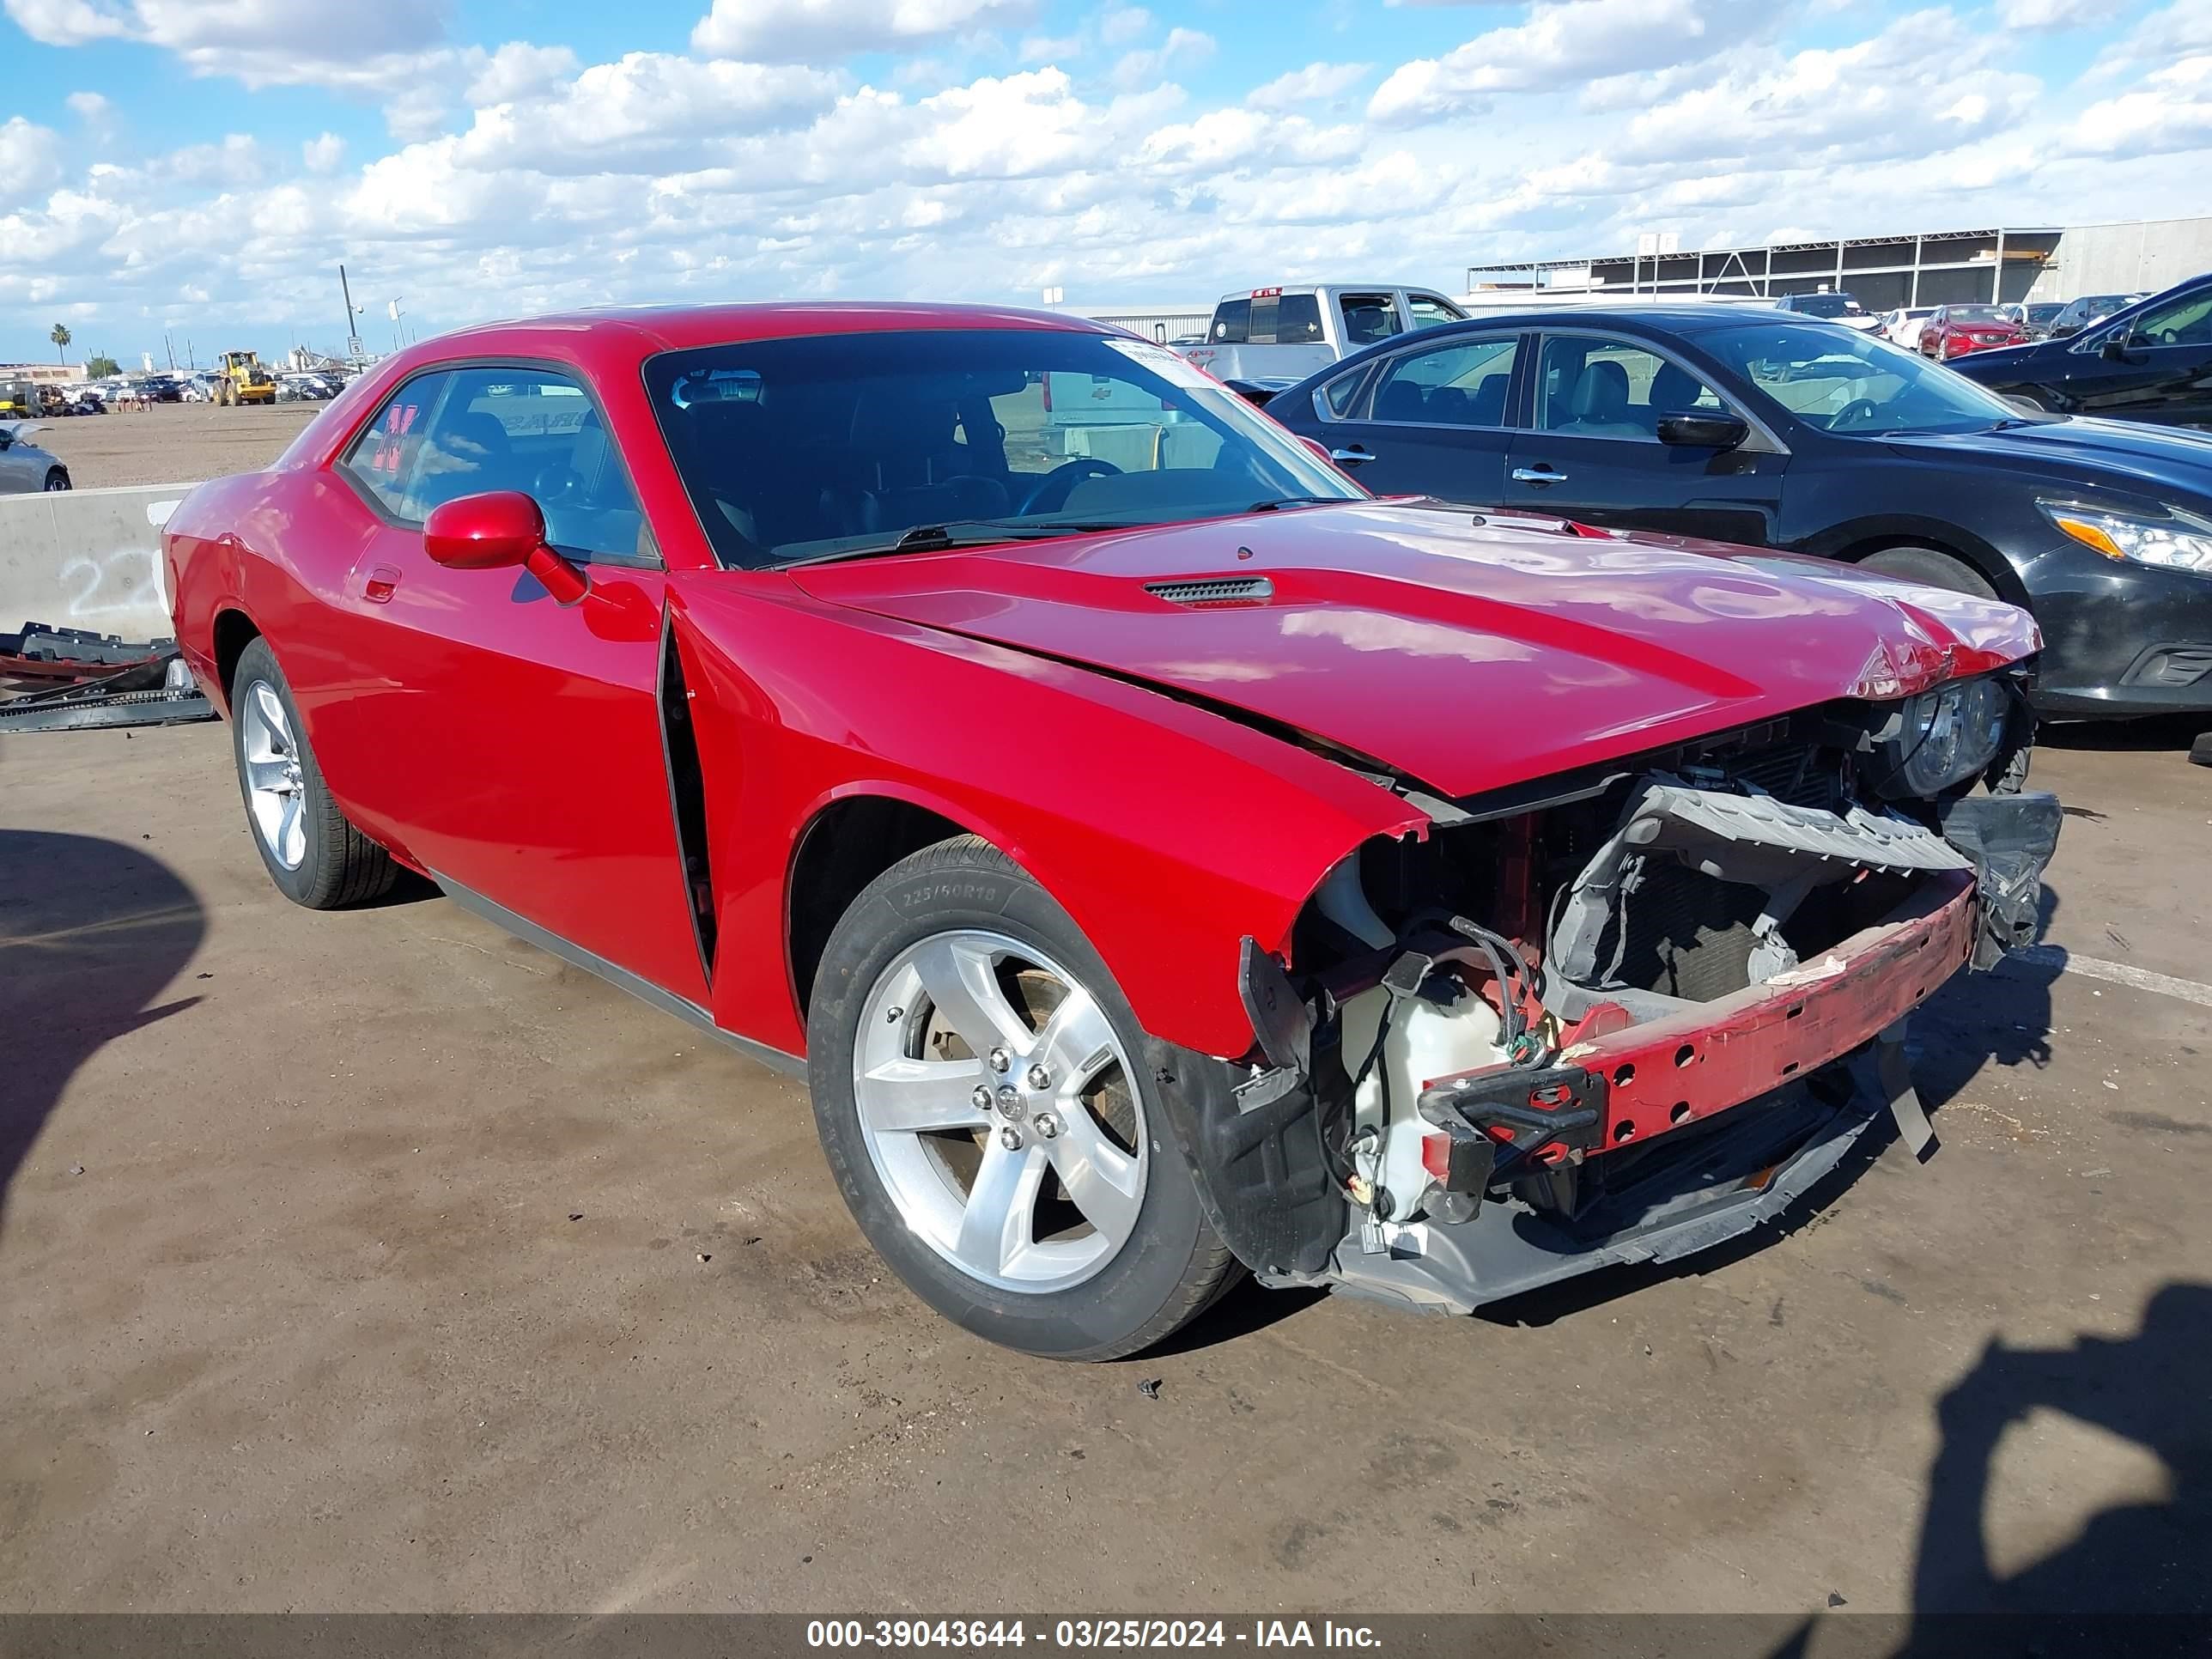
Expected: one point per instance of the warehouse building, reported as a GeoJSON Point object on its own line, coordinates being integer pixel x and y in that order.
{"type": "Point", "coordinates": [1997, 263]}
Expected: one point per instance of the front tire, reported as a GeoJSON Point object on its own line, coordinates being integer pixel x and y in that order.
{"type": "Point", "coordinates": [1933, 567]}
{"type": "Point", "coordinates": [57, 480]}
{"type": "Point", "coordinates": [314, 854]}
{"type": "Point", "coordinates": [979, 1089]}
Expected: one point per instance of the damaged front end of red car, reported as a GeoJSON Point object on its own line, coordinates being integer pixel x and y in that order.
{"type": "Point", "coordinates": [1626, 1013]}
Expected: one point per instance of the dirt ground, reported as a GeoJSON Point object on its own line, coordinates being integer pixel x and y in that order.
{"type": "Point", "coordinates": [374, 1261]}
{"type": "Point", "coordinates": [172, 443]}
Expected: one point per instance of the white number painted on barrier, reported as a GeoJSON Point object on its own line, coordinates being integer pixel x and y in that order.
{"type": "Point", "coordinates": [113, 581]}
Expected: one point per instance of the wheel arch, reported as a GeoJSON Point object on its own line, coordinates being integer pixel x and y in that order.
{"type": "Point", "coordinates": [234, 630]}
{"type": "Point", "coordinates": [1853, 543]}
{"type": "Point", "coordinates": [846, 842]}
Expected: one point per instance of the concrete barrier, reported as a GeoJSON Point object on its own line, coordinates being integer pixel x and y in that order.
{"type": "Point", "coordinates": [87, 558]}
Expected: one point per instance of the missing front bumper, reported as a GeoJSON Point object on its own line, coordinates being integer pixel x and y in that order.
{"type": "Point", "coordinates": [1684, 1195]}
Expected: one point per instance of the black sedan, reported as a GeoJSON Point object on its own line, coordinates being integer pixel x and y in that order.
{"type": "Point", "coordinates": [2152, 361]}
{"type": "Point", "coordinates": [1739, 424]}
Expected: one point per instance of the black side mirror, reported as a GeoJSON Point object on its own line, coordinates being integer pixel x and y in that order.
{"type": "Point", "coordinates": [1704, 431]}
{"type": "Point", "coordinates": [2115, 347]}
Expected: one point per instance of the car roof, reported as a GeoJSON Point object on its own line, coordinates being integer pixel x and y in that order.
{"type": "Point", "coordinates": [1327, 288]}
{"type": "Point", "coordinates": [675, 328]}
{"type": "Point", "coordinates": [1677, 318]}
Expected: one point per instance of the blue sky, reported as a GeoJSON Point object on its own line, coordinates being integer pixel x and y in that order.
{"type": "Point", "coordinates": [489, 157]}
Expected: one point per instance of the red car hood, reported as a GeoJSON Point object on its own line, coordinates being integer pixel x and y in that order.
{"type": "Point", "coordinates": [1467, 655]}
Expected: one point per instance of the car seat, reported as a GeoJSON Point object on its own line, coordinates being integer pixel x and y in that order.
{"type": "Point", "coordinates": [1600, 405]}
{"type": "Point", "coordinates": [1401, 400]}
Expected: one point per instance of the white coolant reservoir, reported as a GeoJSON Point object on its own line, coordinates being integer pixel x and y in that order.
{"type": "Point", "coordinates": [1428, 1040]}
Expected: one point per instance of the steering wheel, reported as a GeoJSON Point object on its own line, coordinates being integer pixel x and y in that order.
{"type": "Point", "coordinates": [556, 482]}
{"type": "Point", "coordinates": [1064, 477]}
{"type": "Point", "coordinates": [1854, 413]}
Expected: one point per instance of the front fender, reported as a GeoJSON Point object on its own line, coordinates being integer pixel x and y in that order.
{"type": "Point", "coordinates": [1168, 833]}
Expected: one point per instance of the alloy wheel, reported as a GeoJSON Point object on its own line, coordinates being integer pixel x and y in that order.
{"type": "Point", "coordinates": [275, 788]}
{"type": "Point", "coordinates": [999, 1108]}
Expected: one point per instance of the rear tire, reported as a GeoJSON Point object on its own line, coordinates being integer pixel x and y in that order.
{"type": "Point", "coordinates": [1936, 569]}
{"type": "Point", "coordinates": [314, 854]}
{"type": "Point", "coordinates": [1058, 1217]}
{"type": "Point", "coordinates": [57, 480]}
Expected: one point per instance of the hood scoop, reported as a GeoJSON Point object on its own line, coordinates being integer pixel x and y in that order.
{"type": "Point", "coordinates": [1227, 590]}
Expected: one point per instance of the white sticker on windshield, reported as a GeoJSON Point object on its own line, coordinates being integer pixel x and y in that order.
{"type": "Point", "coordinates": [1165, 364]}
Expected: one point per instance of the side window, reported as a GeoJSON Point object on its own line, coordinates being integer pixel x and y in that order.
{"type": "Point", "coordinates": [1297, 319]}
{"type": "Point", "coordinates": [1463, 384]}
{"type": "Point", "coordinates": [1232, 322]}
{"type": "Point", "coordinates": [1594, 388]}
{"type": "Point", "coordinates": [2187, 321]}
{"type": "Point", "coordinates": [1427, 311]}
{"type": "Point", "coordinates": [382, 459]}
{"type": "Point", "coordinates": [1368, 318]}
{"type": "Point", "coordinates": [1340, 394]}
{"type": "Point", "coordinates": [455, 433]}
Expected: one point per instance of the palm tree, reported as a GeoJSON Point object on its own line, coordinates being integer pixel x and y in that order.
{"type": "Point", "coordinates": [60, 337]}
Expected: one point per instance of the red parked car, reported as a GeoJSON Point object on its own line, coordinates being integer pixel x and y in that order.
{"type": "Point", "coordinates": [1158, 856]}
{"type": "Point", "coordinates": [1954, 331]}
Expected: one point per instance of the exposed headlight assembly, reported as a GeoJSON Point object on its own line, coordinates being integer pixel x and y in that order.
{"type": "Point", "coordinates": [1945, 737]}
{"type": "Point", "coordinates": [2176, 539]}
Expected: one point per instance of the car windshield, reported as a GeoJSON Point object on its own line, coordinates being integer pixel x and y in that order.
{"type": "Point", "coordinates": [1976, 315]}
{"type": "Point", "coordinates": [1854, 385]}
{"type": "Point", "coordinates": [843, 444]}
{"type": "Point", "coordinates": [1825, 304]}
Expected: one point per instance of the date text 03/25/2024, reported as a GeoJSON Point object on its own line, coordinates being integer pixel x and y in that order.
{"type": "Point", "coordinates": [1086, 1633]}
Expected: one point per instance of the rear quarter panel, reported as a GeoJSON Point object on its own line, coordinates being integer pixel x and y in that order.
{"type": "Point", "coordinates": [277, 548]}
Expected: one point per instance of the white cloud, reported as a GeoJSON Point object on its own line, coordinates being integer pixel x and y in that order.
{"type": "Point", "coordinates": [521, 179]}
{"type": "Point", "coordinates": [89, 106]}
{"type": "Point", "coordinates": [30, 159]}
{"type": "Point", "coordinates": [1050, 48]}
{"type": "Point", "coordinates": [2173, 111]}
{"type": "Point", "coordinates": [2040, 14]}
{"type": "Point", "coordinates": [647, 111]}
{"type": "Point", "coordinates": [266, 42]}
{"type": "Point", "coordinates": [2162, 37]}
{"type": "Point", "coordinates": [65, 22]}
{"type": "Point", "coordinates": [517, 70]}
{"type": "Point", "coordinates": [804, 31]}
{"type": "Point", "coordinates": [1561, 45]}
{"type": "Point", "coordinates": [1921, 86]}
{"type": "Point", "coordinates": [1183, 50]}
{"type": "Point", "coordinates": [1120, 26]}
{"type": "Point", "coordinates": [1310, 85]}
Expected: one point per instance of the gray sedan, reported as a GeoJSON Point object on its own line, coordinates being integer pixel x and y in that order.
{"type": "Point", "coordinates": [23, 466]}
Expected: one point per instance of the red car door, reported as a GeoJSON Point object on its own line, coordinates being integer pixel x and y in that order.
{"type": "Point", "coordinates": [512, 745]}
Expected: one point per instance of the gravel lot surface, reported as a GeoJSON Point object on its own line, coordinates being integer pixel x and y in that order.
{"type": "Point", "coordinates": [172, 443]}
{"type": "Point", "coordinates": [377, 1261]}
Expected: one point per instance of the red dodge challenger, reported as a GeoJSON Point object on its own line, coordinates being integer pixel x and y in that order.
{"type": "Point", "coordinates": [1161, 857]}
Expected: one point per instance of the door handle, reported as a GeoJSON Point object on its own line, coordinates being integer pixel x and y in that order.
{"type": "Point", "coordinates": [1538, 475]}
{"type": "Point", "coordinates": [383, 579]}
{"type": "Point", "coordinates": [1351, 456]}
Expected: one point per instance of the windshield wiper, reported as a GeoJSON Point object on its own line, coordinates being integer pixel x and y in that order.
{"type": "Point", "coordinates": [1275, 501]}
{"type": "Point", "coordinates": [960, 532]}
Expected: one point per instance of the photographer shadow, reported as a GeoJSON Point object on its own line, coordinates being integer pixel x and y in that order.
{"type": "Point", "coordinates": [91, 933]}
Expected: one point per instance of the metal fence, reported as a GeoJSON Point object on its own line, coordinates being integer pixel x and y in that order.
{"type": "Point", "coordinates": [1157, 325]}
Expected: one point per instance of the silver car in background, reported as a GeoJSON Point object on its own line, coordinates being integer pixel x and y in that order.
{"type": "Point", "coordinates": [25, 467]}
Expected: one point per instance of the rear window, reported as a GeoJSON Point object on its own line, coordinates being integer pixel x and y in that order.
{"type": "Point", "coordinates": [1824, 305]}
{"type": "Point", "coordinates": [1297, 319]}
{"type": "Point", "coordinates": [1268, 319]}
